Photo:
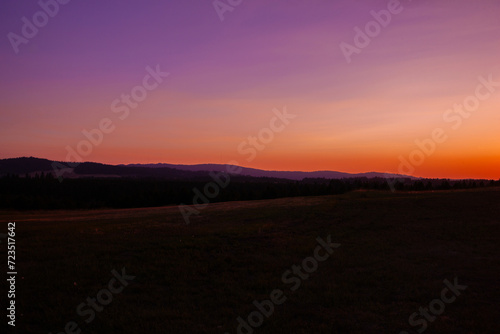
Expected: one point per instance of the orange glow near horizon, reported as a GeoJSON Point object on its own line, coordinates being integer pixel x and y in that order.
{"type": "Point", "coordinates": [226, 79]}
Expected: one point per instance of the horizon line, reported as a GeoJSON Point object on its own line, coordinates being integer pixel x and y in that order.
{"type": "Point", "coordinates": [259, 169]}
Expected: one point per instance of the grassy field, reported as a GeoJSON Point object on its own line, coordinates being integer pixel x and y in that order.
{"type": "Point", "coordinates": [396, 250]}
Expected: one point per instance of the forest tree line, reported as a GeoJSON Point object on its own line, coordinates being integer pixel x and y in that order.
{"type": "Point", "coordinates": [43, 191]}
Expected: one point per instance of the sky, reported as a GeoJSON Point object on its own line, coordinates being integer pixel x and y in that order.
{"type": "Point", "coordinates": [408, 87]}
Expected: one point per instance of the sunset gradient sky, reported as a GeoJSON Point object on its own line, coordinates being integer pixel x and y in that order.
{"type": "Point", "coordinates": [226, 77]}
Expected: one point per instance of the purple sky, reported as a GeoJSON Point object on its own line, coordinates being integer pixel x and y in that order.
{"type": "Point", "coordinates": [226, 78]}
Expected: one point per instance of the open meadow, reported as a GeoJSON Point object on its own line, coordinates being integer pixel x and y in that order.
{"type": "Point", "coordinates": [396, 251]}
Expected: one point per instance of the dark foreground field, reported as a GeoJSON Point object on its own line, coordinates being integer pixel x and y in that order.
{"type": "Point", "coordinates": [396, 251]}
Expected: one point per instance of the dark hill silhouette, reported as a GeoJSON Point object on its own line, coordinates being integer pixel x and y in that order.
{"type": "Point", "coordinates": [291, 175]}
{"type": "Point", "coordinates": [26, 165]}
{"type": "Point", "coordinates": [92, 168]}
{"type": "Point", "coordinates": [30, 184]}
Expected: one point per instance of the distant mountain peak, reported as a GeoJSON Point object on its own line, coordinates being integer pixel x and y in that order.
{"type": "Point", "coordinates": [24, 165]}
